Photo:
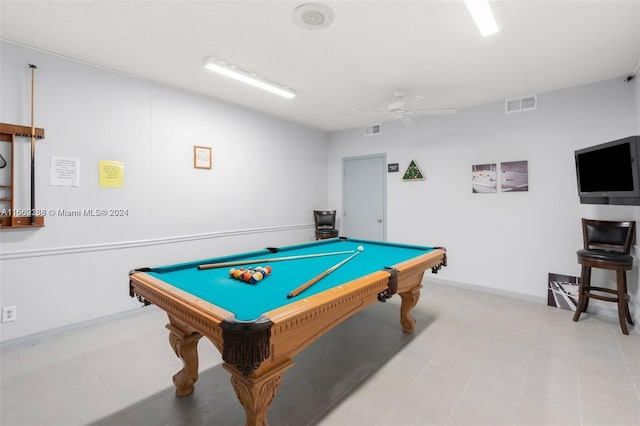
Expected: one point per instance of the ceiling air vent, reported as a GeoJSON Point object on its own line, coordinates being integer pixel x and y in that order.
{"type": "Point", "coordinates": [527, 103]}
{"type": "Point", "coordinates": [374, 129]}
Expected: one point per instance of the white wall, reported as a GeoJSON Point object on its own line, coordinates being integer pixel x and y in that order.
{"type": "Point", "coordinates": [267, 177]}
{"type": "Point", "coordinates": [506, 242]}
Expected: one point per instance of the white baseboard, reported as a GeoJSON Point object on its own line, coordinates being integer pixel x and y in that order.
{"type": "Point", "coordinates": [30, 339]}
{"type": "Point", "coordinates": [594, 309]}
{"type": "Point", "coordinates": [483, 289]}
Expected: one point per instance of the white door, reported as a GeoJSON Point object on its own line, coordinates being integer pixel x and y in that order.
{"type": "Point", "coordinates": [364, 195]}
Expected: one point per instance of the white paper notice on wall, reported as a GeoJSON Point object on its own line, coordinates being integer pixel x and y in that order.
{"type": "Point", "coordinates": [64, 171]}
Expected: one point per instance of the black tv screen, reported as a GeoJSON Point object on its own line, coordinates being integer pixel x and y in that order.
{"type": "Point", "coordinates": [608, 173]}
{"type": "Point", "coordinates": [607, 169]}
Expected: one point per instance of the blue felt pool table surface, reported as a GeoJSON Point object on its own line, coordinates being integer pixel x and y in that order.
{"type": "Point", "coordinates": [249, 301]}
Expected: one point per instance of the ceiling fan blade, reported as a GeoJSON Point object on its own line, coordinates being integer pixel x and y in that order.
{"type": "Point", "coordinates": [396, 106]}
{"type": "Point", "coordinates": [369, 110]}
{"type": "Point", "coordinates": [408, 121]}
{"type": "Point", "coordinates": [416, 105]}
{"type": "Point", "coordinates": [419, 97]}
{"type": "Point", "coordinates": [415, 101]}
{"type": "Point", "coordinates": [390, 118]}
{"type": "Point", "coordinates": [431, 111]}
{"type": "Point", "coordinates": [405, 119]}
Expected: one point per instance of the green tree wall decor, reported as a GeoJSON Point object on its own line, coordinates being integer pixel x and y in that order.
{"type": "Point", "coordinates": [413, 172]}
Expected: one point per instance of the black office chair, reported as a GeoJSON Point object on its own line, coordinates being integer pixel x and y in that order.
{"type": "Point", "coordinates": [607, 245]}
{"type": "Point", "coordinates": [325, 221]}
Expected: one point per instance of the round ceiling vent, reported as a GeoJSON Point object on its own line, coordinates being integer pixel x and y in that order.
{"type": "Point", "coordinates": [313, 16]}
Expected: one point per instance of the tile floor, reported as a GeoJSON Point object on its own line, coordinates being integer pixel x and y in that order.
{"type": "Point", "coordinates": [475, 359]}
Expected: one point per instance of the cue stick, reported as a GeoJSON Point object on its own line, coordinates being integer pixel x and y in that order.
{"type": "Point", "coordinates": [314, 280]}
{"type": "Point", "coordinates": [33, 149]}
{"type": "Point", "coordinates": [273, 259]}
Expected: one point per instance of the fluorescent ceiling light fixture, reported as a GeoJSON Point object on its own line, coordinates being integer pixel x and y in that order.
{"type": "Point", "coordinates": [230, 71]}
{"type": "Point", "coordinates": [481, 13]}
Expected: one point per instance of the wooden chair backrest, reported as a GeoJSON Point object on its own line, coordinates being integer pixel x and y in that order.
{"type": "Point", "coordinates": [609, 235]}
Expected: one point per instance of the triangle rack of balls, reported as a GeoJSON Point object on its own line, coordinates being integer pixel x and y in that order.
{"type": "Point", "coordinates": [250, 275]}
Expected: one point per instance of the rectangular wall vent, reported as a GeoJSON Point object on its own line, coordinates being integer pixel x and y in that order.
{"type": "Point", "coordinates": [374, 129]}
{"type": "Point", "coordinates": [526, 103]}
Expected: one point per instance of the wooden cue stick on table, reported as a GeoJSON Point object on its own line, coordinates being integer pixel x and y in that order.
{"type": "Point", "coordinates": [273, 259]}
{"type": "Point", "coordinates": [314, 280]}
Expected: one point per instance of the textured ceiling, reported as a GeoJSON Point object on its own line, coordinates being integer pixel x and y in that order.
{"type": "Point", "coordinates": [372, 48]}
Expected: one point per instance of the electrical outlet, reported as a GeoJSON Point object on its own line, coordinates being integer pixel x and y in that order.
{"type": "Point", "coordinates": [9, 313]}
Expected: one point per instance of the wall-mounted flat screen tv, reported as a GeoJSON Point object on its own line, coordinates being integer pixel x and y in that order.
{"type": "Point", "coordinates": [609, 173]}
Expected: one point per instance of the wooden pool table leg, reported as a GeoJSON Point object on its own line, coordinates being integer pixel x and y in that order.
{"type": "Point", "coordinates": [184, 341]}
{"type": "Point", "coordinates": [409, 300]}
{"type": "Point", "coordinates": [256, 392]}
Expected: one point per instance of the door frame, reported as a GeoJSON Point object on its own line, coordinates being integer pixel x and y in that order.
{"type": "Point", "coordinates": [383, 172]}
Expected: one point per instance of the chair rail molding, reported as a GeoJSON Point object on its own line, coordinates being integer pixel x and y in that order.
{"type": "Point", "coordinates": [56, 251]}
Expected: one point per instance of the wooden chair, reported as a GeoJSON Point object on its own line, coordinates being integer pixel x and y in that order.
{"type": "Point", "coordinates": [607, 245]}
{"type": "Point", "coordinates": [325, 221]}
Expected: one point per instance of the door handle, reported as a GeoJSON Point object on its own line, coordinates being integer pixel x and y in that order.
{"type": "Point", "coordinates": [379, 220]}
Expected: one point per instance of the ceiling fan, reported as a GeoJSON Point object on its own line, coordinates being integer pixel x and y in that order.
{"type": "Point", "coordinates": [404, 108]}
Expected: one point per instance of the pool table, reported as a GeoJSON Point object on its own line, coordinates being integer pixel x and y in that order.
{"type": "Point", "coordinates": [256, 327]}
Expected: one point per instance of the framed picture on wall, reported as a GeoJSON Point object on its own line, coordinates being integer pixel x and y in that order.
{"type": "Point", "coordinates": [483, 178]}
{"type": "Point", "coordinates": [201, 157]}
{"type": "Point", "coordinates": [514, 176]}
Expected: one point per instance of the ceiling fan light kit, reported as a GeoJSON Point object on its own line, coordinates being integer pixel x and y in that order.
{"type": "Point", "coordinates": [251, 79]}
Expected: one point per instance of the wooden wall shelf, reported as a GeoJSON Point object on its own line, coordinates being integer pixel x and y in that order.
{"type": "Point", "coordinates": [8, 133]}
{"type": "Point", "coordinates": [12, 222]}
{"type": "Point", "coordinates": [17, 130]}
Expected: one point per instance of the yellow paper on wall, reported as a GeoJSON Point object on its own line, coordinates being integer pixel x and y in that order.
{"type": "Point", "coordinates": [111, 173]}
